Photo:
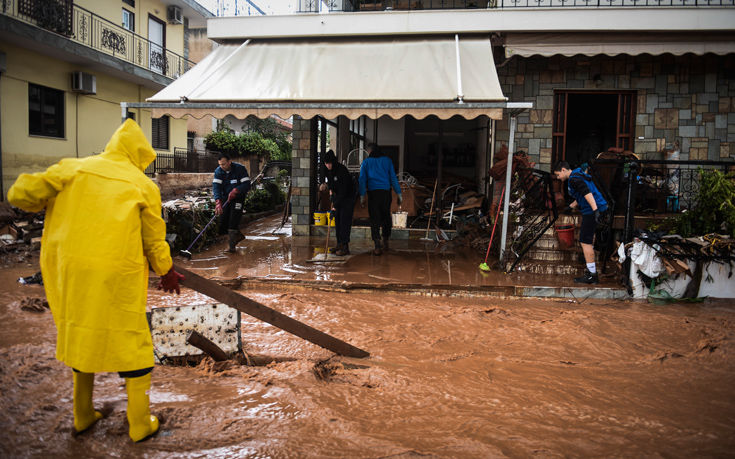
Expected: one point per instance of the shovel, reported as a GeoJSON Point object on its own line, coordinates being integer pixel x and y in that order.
{"type": "Point", "coordinates": [186, 253]}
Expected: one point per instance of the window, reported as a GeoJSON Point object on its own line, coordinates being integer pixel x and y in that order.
{"type": "Point", "coordinates": [45, 111]}
{"type": "Point", "coordinates": [128, 20]}
{"type": "Point", "coordinates": [160, 133]}
{"type": "Point", "coordinates": [129, 2]}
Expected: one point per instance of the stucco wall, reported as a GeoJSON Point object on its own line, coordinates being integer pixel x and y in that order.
{"type": "Point", "coordinates": [690, 99]}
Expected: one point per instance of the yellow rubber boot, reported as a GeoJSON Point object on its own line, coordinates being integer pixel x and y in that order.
{"type": "Point", "coordinates": [142, 423]}
{"type": "Point", "coordinates": [84, 413]}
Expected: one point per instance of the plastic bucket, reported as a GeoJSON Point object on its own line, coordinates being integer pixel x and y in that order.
{"type": "Point", "coordinates": [320, 218]}
{"type": "Point", "coordinates": [399, 219]}
{"type": "Point", "coordinates": [565, 235]}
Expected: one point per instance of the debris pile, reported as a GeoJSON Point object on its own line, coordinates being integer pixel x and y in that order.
{"type": "Point", "coordinates": [19, 231]}
{"type": "Point", "coordinates": [186, 217]}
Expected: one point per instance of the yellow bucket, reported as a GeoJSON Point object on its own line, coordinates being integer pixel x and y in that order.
{"type": "Point", "coordinates": [320, 218]}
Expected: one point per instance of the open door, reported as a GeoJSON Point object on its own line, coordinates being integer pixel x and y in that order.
{"type": "Point", "coordinates": [589, 122]}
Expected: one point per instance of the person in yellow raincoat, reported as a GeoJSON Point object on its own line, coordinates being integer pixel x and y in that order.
{"type": "Point", "coordinates": [103, 227]}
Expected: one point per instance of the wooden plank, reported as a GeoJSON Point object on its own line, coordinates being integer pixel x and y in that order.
{"type": "Point", "coordinates": [201, 342]}
{"type": "Point", "coordinates": [266, 314]}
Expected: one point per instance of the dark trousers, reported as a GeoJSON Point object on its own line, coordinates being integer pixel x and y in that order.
{"type": "Point", "coordinates": [129, 374]}
{"type": "Point", "coordinates": [343, 220]}
{"type": "Point", "coordinates": [231, 215]}
{"type": "Point", "coordinates": [379, 211]}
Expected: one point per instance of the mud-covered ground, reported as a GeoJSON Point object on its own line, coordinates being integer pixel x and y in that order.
{"type": "Point", "coordinates": [447, 377]}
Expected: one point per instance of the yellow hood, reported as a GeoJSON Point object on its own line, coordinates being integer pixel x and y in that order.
{"type": "Point", "coordinates": [130, 142]}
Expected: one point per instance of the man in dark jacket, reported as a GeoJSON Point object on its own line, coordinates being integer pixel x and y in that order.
{"type": "Point", "coordinates": [230, 185]}
{"type": "Point", "coordinates": [377, 177]}
{"type": "Point", "coordinates": [592, 205]}
{"type": "Point", "coordinates": [342, 192]}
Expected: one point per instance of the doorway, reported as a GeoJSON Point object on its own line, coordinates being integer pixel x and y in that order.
{"type": "Point", "coordinates": [587, 123]}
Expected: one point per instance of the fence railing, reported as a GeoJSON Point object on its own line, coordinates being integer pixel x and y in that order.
{"type": "Point", "coordinates": [85, 27]}
{"type": "Point", "coordinates": [660, 186]}
{"type": "Point", "coordinates": [183, 160]}
{"type": "Point", "coordinates": [318, 6]}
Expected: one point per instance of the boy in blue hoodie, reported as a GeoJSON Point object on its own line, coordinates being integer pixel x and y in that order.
{"type": "Point", "coordinates": [589, 201]}
{"type": "Point", "coordinates": [377, 177]}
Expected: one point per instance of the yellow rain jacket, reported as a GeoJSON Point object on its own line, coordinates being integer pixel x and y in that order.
{"type": "Point", "coordinates": [103, 220]}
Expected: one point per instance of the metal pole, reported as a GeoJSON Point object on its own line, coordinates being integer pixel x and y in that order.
{"type": "Point", "coordinates": [124, 109]}
{"type": "Point", "coordinates": [508, 178]}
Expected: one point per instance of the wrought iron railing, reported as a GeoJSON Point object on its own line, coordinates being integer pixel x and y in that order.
{"type": "Point", "coordinates": [661, 187]}
{"type": "Point", "coordinates": [83, 26]}
{"type": "Point", "coordinates": [183, 160]}
{"type": "Point", "coordinates": [532, 211]}
{"type": "Point", "coordinates": [318, 6]}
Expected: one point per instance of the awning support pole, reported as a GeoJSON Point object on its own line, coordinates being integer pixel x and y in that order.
{"type": "Point", "coordinates": [460, 92]}
{"type": "Point", "coordinates": [124, 109]}
{"type": "Point", "coordinates": [508, 178]}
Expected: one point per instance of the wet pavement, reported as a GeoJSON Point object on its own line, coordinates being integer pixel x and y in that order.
{"type": "Point", "coordinates": [448, 377]}
{"type": "Point", "coordinates": [272, 255]}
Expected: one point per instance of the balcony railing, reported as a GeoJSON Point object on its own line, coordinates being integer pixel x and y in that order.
{"type": "Point", "coordinates": [85, 27]}
{"type": "Point", "coordinates": [320, 6]}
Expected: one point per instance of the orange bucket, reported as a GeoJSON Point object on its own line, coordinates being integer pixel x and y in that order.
{"type": "Point", "coordinates": [565, 235]}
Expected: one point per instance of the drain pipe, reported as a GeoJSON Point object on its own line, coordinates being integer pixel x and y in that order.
{"type": "Point", "coordinates": [508, 178]}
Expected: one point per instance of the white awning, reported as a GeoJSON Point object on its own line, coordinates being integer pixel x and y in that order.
{"type": "Point", "coordinates": [612, 44]}
{"type": "Point", "coordinates": [352, 77]}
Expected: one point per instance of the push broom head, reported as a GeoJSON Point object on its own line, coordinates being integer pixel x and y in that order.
{"type": "Point", "coordinates": [484, 267]}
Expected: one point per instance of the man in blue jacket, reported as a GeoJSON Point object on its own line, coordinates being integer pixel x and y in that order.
{"type": "Point", "coordinates": [377, 177]}
{"type": "Point", "coordinates": [592, 205]}
{"type": "Point", "coordinates": [230, 185]}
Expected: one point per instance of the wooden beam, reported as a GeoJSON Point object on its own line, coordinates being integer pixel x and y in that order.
{"type": "Point", "coordinates": [201, 342]}
{"type": "Point", "coordinates": [266, 314]}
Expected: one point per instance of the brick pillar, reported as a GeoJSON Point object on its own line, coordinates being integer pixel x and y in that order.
{"type": "Point", "coordinates": [302, 176]}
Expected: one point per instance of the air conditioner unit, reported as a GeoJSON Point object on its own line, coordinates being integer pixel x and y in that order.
{"type": "Point", "coordinates": [84, 83]}
{"type": "Point", "coordinates": [174, 15]}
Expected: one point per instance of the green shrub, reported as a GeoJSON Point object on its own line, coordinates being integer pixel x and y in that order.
{"type": "Point", "coordinates": [715, 210]}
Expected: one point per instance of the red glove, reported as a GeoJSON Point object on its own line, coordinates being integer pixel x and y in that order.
{"type": "Point", "coordinates": [170, 282]}
{"type": "Point", "coordinates": [218, 208]}
{"type": "Point", "coordinates": [233, 194]}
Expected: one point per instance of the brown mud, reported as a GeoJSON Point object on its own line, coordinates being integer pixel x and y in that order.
{"type": "Point", "coordinates": [447, 377]}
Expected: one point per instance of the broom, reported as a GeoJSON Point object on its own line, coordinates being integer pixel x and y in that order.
{"type": "Point", "coordinates": [483, 265]}
{"type": "Point", "coordinates": [431, 210]}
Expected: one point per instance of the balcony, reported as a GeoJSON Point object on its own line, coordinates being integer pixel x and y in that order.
{"type": "Point", "coordinates": [81, 26]}
{"type": "Point", "coordinates": [323, 6]}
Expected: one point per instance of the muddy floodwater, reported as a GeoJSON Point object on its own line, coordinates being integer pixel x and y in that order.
{"type": "Point", "coordinates": [447, 377]}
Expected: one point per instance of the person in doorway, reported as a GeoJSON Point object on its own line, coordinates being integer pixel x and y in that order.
{"type": "Point", "coordinates": [230, 185]}
{"type": "Point", "coordinates": [103, 229]}
{"type": "Point", "coordinates": [592, 205]}
{"type": "Point", "coordinates": [342, 192]}
{"type": "Point", "coordinates": [377, 177]}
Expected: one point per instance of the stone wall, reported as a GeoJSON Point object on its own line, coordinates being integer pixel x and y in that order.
{"type": "Point", "coordinates": [689, 99]}
{"type": "Point", "coordinates": [173, 185]}
{"type": "Point", "coordinates": [302, 176]}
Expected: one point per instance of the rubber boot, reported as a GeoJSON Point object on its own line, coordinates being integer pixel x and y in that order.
{"type": "Point", "coordinates": [345, 250]}
{"type": "Point", "coordinates": [235, 236]}
{"type": "Point", "coordinates": [378, 250]}
{"type": "Point", "coordinates": [385, 245]}
{"type": "Point", "coordinates": [142, 424]}
{"type": "Point", "coordinates": [84, 413]}
{"type": "Point", "coordinates": [335, 249]}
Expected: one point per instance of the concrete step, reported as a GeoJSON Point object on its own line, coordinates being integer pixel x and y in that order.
{"type": "Point", "coordinates": [555, 255]}
{"type": "Point", "coordinates": [550, 268]}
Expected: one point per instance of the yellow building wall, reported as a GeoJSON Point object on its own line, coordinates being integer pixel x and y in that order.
{"type": "Point", "coordinates": [89, 120]}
